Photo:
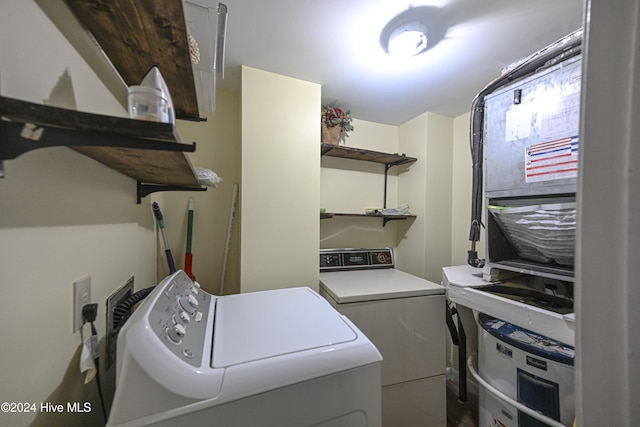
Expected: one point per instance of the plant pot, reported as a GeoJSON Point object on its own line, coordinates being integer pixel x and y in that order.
{"type": "Point", "coordinates": [330, 135]}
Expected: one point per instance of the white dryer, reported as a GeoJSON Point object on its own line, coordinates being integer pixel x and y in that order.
{"type": "Point", "coordinates": [404, 316]}
{"type": "Point", "coordinates": [281, 358]}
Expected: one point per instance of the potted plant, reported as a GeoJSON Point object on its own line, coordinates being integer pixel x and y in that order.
{"type": "Point", "coordinates": [336, 124]}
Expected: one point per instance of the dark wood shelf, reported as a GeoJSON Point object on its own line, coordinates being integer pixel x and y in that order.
{"type": "Point", "coordinates": [149, 152]}
{"type": "Point", "coordinates": [345, 152]}
{"type": "Point", "coordinates": [137, 35]}
{"type": "Point", "coordinates": [386, 159]}
{"type": "Point", "coordinates": [385, 218]}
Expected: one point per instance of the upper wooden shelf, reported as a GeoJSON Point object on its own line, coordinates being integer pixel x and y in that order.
{"type": "Point", "coordinates": [137, 35]}
{"type": "Point", "coordinates": [365, 155]}
{"type": "Point", "coordinates": [388, 160]}
{"type": "Point", "coordinates": [149, 152]}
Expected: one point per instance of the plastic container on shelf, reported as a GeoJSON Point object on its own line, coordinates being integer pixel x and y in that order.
{"type": "Point", "coordinates": [148, 103]}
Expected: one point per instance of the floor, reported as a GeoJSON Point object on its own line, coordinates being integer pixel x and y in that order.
{"type": "Point", "coordinates": [461, 414]}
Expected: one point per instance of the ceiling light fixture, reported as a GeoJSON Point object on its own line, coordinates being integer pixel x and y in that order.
{"type": "Point", "coordinates": [407, 40]}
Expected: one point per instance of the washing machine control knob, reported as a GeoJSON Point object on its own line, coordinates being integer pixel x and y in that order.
{"type": "Point", "coordinates": [189, 303]}
{"type": "Point", "coordinates": [176, 332]}
{"type": "Point", "coordinates": [193, 302]}
{"type": "Point", "coordinates": [184, 316]}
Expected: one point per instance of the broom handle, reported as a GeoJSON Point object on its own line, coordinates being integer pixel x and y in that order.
{"type": "Point", "coordinates": [234, 201]}
{"type": "Point", "coordinates": [160, 219]}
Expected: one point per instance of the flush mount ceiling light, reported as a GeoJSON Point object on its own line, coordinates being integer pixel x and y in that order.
{"type": "Point", "coordinates": [407, 39]}
{"type": "Point", "coordinates": [405, 35]}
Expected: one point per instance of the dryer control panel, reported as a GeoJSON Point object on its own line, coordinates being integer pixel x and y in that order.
{"type": "Point", "coordinates": [179, 317]}
{"type": "Point", "coordinates": [355, 259]}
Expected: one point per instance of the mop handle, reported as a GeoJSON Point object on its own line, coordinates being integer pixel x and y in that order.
{"type": "Point", "coordinates": [158, 215]}
{"type": "Point", "coordinates": [188, 256]}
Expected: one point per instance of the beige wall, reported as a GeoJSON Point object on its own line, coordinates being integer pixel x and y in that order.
{"type": "Point", "coordinates": [461, 194]}
{"type": "Point", "coordinates": [423, 244]}
{"type": "Point", "coordinates": [427, 246]}
{"type": "Point", "coordinates": [62, 216]}
{"type": "Point", "coordinates": [437, 188]}
{"type": "Point", "coordinates": [280, 181]}
{"type": "Point", "coordinates": [217, 149]}
{"type": "Point", "coordinates": [352, 186]}
{"type": "Point", "coordinates": [411, 253]}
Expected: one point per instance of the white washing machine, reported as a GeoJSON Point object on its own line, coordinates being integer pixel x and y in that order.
{"type": "Point", "coordinates": [282, 358]}
{"type": "Point", "coordinates": [404, 316]}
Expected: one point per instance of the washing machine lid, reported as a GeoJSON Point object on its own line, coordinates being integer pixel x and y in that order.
{"type": "Point", "coordinates": [262, 325]}
{"type": "Point", "coordinates": [371, 285]}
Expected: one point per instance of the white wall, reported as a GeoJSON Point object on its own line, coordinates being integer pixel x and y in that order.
{"type": "Point", "coordinates": [280, 181]}
{"type": "Point", "coordinates": [62, 216]}
{"type": "Point", "coordinates": [608, 242]}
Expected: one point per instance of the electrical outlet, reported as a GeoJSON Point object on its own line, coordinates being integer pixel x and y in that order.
{"type": "Point", "coordinates": [81, 296]}
{"type": "Point", "coordinates": [124, 292]}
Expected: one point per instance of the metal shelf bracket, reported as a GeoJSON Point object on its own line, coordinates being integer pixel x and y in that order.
{"type": "Point", "coordinates": [143, 190]}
